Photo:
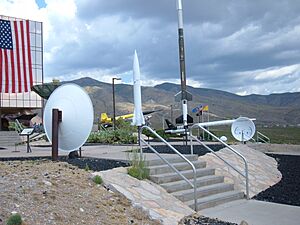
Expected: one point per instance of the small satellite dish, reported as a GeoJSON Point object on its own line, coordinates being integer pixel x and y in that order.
{"type": "Point", "coordinates": [243, 129]}
{"type": "Point", "coordinates": [223, 138]}
{"type": "Point", "coordinates": [77, 116]}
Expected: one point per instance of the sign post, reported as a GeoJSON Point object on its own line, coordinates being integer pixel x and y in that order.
{"type": "Point", "coordinates": [56, 119]}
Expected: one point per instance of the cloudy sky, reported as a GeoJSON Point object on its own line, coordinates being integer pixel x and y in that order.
{"type": "Point", "coordinates": [241, 46]}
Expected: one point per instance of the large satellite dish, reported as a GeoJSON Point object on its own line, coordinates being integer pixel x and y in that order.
{"type": "Point", "coordinates": [77, 116]}
{"type": "Point", "coordinates": [243, 129]}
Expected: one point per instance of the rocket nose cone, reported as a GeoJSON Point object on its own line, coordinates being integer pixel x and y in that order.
{"type": "Point", "coordinates": [135, 58]}
{"type": "Point", "coordinates": [136, 66]}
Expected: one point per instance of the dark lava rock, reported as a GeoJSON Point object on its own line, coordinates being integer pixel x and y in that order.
{"type": "Point", "coordinates": [202, 220]}
{"type": "Point", "coordinates": [185, 149]}
{"type": "Point", "coordinates": [95, 164]}
{"type": "Point", "coordinates": [73, 155]}
{"type": "Point", "coordinates": [286, 191]}
{"type": "Point", "coordinates": [92, 163]}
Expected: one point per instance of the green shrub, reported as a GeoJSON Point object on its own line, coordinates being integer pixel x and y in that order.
{"type": "Point", "coordinates": [109, 136]}
{"type": "Point", "coordinates": [160, 133]}
{"type": "Point", "coordinates": [97, 179]}
{"type": "Point", "coordinates": [137, 167]}
{"type": "Point", "coordinates": [14, 219]}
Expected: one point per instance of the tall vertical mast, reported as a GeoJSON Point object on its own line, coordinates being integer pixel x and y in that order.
{"type": "Point", "coordinates": [184, 96]}
{"type": "Point", "coordinates": [181, 50]}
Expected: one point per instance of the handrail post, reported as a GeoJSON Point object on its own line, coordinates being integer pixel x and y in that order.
{"type": "Point", "coordinates": [192, 147]}
{"type": "Point", "coordinates": [246, 176]}
{"type": "Point", "coordinates": [247, 181]}
{"type": "Point", "coordinates": [139, 141]}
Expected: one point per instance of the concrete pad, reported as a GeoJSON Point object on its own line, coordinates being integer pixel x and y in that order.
{"type": "Point", "coordinates": [255, 213]}
{"type": "Point", "coordinates": [114, 152]}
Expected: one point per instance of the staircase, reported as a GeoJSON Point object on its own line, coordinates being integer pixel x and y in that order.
{"type": "Point", "coordinates": [9, 138]}
{"type": "Point", "coordinates": [211, 189]}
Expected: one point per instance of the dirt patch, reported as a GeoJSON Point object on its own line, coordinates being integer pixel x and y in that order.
{"type": "Point", "coordinates": [46, 192]}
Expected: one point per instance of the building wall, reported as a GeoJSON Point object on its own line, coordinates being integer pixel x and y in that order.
{"type": "Point", "coordinates": [30, 99]}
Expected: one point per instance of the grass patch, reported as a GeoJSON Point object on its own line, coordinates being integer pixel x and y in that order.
{"type": "Point", "coordinates": [97, 179]}
{"type": "Point", "coordinates": [282, 135]}
{"type": "Point", "coordinates": [137, 167]}
{"type": "Point", "coordinates": [86, 168]}
{"type": "Point", "coordinates": [14, 219]}
{"type": "Point", "coordinates": [278, 135]}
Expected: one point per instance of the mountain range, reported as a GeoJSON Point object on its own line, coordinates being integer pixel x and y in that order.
{"type": "Point", "coordinates": [274, 109]}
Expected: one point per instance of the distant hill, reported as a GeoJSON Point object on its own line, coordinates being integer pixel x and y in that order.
{"type": "Point", "coordinates": [281, 109]}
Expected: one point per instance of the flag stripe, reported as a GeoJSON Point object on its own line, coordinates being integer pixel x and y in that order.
{"type": "Point", "coordinates": [17, 47]}
{"type": "Point", "coordinates": [12, 66]}
{"type": "Point", "coordinates": [29, 53]}
{"type": "Point", "coordinates": [6, 71]}
{"type": "Point", "coordinates": [14, 61]}
{"type": "Point", "coordinates": [1, 65]}
{"type": "Point", "coordinates": [23, 56]}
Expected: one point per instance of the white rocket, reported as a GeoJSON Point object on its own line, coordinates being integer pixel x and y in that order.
{"type": "Point", "coordinates": [138, 117]}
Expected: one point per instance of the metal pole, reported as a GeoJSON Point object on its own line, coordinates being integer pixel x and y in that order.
{"type": "Point", "coordinates": [114, 104]}
{"type": "Point", "coordinates": [208, 118]}
{"type": "Point", "coordinates": [171, 113]}
{"type": "Point", "coordinates": [139, 142]}
{"type": "Point", "coordinates": [202, 130]}
{"type": "Point", "coordinates": [28, 146]}
{"type": "Point", "coordinates": [56, 119]}
{"type": "Point", "coordinates": [114, 101]}
{"type": "Point", "coordinates": [199, 122]}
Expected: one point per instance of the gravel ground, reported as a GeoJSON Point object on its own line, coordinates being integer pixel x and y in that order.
{"type": "Point", "coordinates": [45, 192]}
{"type": "Point", "coordinates": [198, 149]}
{"type": "Point", "coordinates": [286, 191]}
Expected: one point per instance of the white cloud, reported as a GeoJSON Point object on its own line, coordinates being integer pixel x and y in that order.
{"type": "Point", "coordinates": [276, 72]}
{"type": "Point", "coordinates": [243, 47]}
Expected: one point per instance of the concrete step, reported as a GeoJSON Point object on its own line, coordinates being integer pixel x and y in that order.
{"type": "Point", "coordinates": [7, 133]}
{"type": "Point", "coordinates": [186, 195]}
{"type": "Point", "coordinates": [159, 169]}
{"type": "Point", "coordinates": [171, 177]}
{"type": "Point", "coordinates": [9, 138]}
{"type": "Point", "coordinates": [217, 199]}
{"type": "Point", "coordinates": [171, 159]}
{"type": "Point", "coordinates": [201, 181]}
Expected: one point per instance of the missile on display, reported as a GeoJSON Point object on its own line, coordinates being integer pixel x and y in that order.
{"type": "Point", "coordinates": [138, 117]}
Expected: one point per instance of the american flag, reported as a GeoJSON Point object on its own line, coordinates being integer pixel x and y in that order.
{"type": "Point", "coordinates": [15, 57]}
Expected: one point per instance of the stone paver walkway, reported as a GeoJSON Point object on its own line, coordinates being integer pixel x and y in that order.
{"type": "Point", "coordinates": [146, 195]}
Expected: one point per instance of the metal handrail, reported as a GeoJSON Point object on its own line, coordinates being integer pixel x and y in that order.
{"type": "Point", "coordinates": [166, 161]}
{"type": "Point", "coordinates": [259, 138]}
{"type": "Point", "coordinates": [245, 175]}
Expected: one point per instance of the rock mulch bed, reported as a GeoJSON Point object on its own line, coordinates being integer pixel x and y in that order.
{"type": "Point", "coordinates": [91, 163]}
{"type": "Point", "coordinates": [183, 149]}
{"type": "Point", "coordinates": [286, 191]}
{"type": "Point", "coordinates": [95, 164]}
{"type": "Point", "coordinates": [46, 192]}
{"type": "Point", "coordinates": [202, 220]}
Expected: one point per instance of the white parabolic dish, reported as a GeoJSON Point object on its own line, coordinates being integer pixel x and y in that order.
{"type": "Point", "coordinates": [243, 129]}
{"type": "Point", "coordinates": [77, 116]}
